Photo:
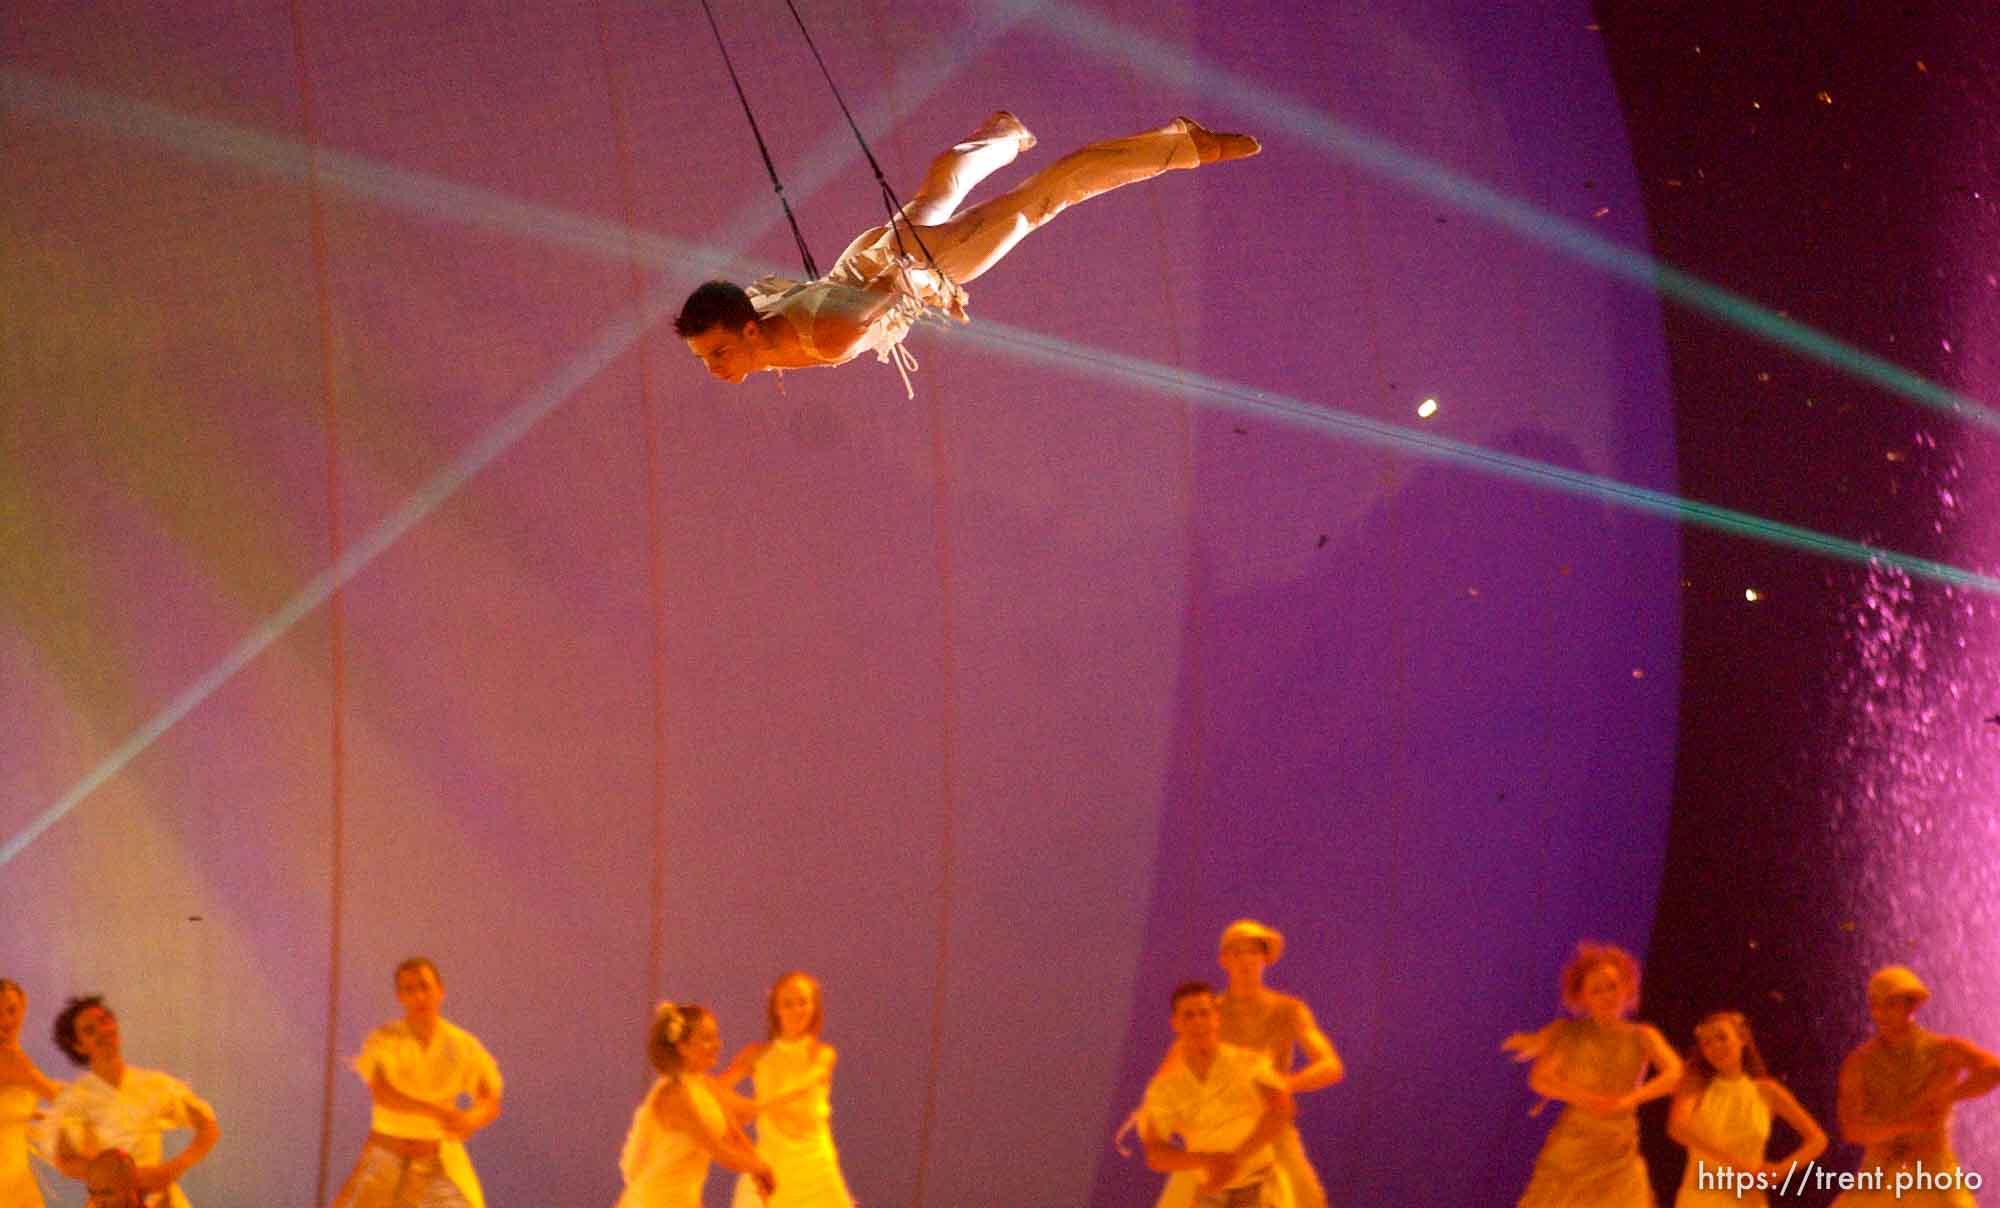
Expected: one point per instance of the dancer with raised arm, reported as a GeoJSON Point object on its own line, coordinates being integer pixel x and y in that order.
{"type": "Point", "coordinates": [891, 274]}
{"type": "Point", "coordinates": [1722, 1113]}
{"type": "Point", "coordinates": [1896, 1095]}
{"type": "Point", "coordinates": [419, 1070]}
{"type": "Point", "coordinates": [1595, 1065]}
{"type": "Point", "coordinates": [791, 1077]}
{"type": "Point", "coordinates": [23, 1088]}
{"type": "Point", "coordinates": [679, 1127]}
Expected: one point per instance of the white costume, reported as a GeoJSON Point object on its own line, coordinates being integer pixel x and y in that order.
{"type": "Point", "coordinates": [1731, 1113]}
{"type": "Point", "coordinates": [95, 1115]}
{"type": "Point", "coordinates": [665, 1168]}
{"type": "Point", "coordinates": [795, 1137]}
{"type": "Point", "coordinates": [454, 1063]}
{"type": "Point", "coordinates": [1216, 1114]}
{"type": "Point", "coordinates": [891, 259]}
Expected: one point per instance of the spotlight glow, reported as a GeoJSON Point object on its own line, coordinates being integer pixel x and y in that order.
{"type": "Point", "coordinates": [1427, 408]}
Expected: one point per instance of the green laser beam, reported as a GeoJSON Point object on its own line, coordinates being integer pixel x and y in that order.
{"type": "Point", "coordinates": [1346, 425]}
{"type": "Point", "coordinates": [1171, 65]}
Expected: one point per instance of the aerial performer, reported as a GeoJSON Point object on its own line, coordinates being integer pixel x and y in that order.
{"type": "Point", "coordinates": [1595, 1065]}
{"type": "Point", "coordinates": [891, 275]}
{"type": "Point", "coordinates": [792, 1077]}
{"type": "Point", "coordinates": [1896, 1096]}
{"type": "Point", "coordinates": [1722, 1113]}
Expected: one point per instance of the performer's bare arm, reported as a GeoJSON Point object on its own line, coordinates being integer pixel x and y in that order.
{"type": "Point", "coordinates": [1323, 1066]}
{"type": "Point", "coordinates": [484, 1110]}
{"type": "Point", "coordinates": [1549, 1078]}
{"type": "Point", "coordinates": [1974, 1071]}
{"type": "Point", "coordinates": [1526, 1046]}
{"type": "Point", "coordinates": [165, 1174]}
{"type": "Point", "coordinates": [1166, 1157]}
{"type": "Point", "coordinates": [383, 1093]}
{"type": "Point", "coordinates": [842, 319]}
{"type": "Point", "coordinates": [1666, 1063]}
{"type": "Point", "coordinates": [675, 1110]}
{"type": "Point", "coordinates": [1812, 1138]}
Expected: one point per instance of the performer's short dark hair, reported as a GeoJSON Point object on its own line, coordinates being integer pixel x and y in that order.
{"type": "Point", "coordinates": [412, 964]}
{"type": "Point", "coordinates": [65, 1029]}
{"type": "Point", "coordinates": [1188, 989]}
{"type": "Point", "coordinates": [714, 304]}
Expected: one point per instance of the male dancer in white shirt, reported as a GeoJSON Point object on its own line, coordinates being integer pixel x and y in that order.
{"type": "Point", "coordinates": [118, 1106]}
{"type": "Point", "coordinates": [418, 1070]}
{"type": "Point", "coordinates": [1226, 1104]}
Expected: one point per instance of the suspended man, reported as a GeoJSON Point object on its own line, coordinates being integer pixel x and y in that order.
{"type": "Point", "coordinates": [889, 276]}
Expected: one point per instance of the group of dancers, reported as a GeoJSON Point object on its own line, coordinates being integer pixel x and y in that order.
{"type": "Point", "coordinates": [1216, 1117]}
{"type": "Point", "coordinates": [1896, 1093]}
{"type": "Point", "coordinates": [431, 1085]}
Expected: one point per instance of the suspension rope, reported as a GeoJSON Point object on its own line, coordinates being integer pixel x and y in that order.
{"type": "Point", "coordinates": [805, 253]}
{"type": "Point", "coordinates": [895, 206]}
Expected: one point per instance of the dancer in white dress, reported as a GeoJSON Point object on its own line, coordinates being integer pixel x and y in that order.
{"type": "Point", "coordinates": [1722, 1112]}
{"type": "Point", "coordinates": [22, 1087]}
{"type": "Point", "coordinates": [792, 1077]}
{"type": "Point", "coordinates": [679, 1127]}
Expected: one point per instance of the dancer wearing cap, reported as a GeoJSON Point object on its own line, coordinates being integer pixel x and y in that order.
{"type": "Point", "coordinates": [1280, 1026]}
{"type": "Point", "coordinates": [1896, 1095]}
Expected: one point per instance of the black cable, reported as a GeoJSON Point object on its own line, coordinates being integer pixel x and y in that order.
{"type": "Point", "coordinates": [805, 253]}
{"type": "Point", "coordinates": [888, 194]}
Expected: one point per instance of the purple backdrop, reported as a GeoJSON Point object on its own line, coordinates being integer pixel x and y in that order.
{"type": "Point", "coordinates": [990, 708]}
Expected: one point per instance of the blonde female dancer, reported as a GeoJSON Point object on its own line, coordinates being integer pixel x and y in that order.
{"type": "Point", "coordinates": [792, 1076]}
{"type": "Point", "coordinates": [1595, 1065]}
{"type": "Point", "coordinates": [1722, 1113]}
{"type": "Point", "coordinates": [679, 1127]}
{"type": "Point", "coordinates": [22, 1086]}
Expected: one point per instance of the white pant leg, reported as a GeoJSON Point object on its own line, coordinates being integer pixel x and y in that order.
{"type": "Point", "coordinates": [967, 244]}
{"type": "Point", "coordinates": [958, 170]}
{"type": "Point", "coordinates": [1298, 1171]}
